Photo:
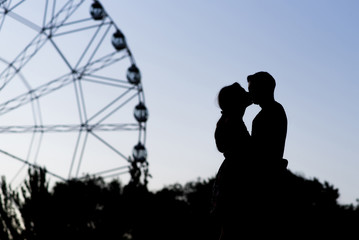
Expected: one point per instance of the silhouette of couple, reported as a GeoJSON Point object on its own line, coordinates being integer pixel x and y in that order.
{"type": "Point", "coordinates": [249, 179]}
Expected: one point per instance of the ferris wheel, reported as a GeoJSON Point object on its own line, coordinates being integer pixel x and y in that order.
{"type": "Point", "coordinates": [71, 95]}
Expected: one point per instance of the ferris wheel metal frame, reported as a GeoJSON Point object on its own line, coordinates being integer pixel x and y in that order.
{"type": "Point", "coordinates": [53, 25]}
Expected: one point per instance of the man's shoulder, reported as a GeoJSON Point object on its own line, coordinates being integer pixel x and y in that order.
{"type": "Point", "coordinates": [278, 107]}
{"type": "Point", "coordinates": [273, 110]}
{"type": "Point", "coordinates": [273, 107]}
{"type": "Point", "coordinates": [271, 113]}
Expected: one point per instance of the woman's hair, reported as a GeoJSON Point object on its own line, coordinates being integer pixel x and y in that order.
{"type": "Point", "coordinates": [232, 97]}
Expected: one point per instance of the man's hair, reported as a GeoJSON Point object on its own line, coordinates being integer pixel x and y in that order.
{"type": "Point", "coordinates": [263, 80]}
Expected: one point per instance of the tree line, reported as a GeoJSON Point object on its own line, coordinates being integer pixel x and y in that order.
{"type": "Point", "coordinates": [92, 208]}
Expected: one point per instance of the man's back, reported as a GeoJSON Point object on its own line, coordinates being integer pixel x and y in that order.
{"type": "Point", "coordinates": [269, 131]}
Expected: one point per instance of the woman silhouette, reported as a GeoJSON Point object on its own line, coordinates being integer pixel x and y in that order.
{"type": "Point", "coordinates": [233, 140]}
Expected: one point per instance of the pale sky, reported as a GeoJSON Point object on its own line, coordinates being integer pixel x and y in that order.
{"type": "Point", "coordinates": [188, 50]}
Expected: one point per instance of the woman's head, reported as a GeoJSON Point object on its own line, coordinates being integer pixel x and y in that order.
{"type": "Point", "coordinates": [233, 98]}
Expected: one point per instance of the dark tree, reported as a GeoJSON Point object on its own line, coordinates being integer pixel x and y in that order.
{"type": "Point", "coordinates": [10, 224]}
{"type": "Point", "coordinates": [95, 209]}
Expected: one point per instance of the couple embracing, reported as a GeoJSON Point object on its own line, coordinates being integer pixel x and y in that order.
{"type": "Point", "coordinates": [247, 187]}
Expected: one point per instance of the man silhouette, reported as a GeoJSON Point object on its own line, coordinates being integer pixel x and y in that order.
{"type": "Point", "coordinates": [269, 127]}
{"type": "Point", "coordinates": [269, 131]}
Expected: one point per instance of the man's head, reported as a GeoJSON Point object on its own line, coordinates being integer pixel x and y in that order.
{"type": "Point", "coordinates": [261, 87]}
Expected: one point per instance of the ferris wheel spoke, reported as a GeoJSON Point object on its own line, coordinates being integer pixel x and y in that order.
{"type": "Point", "coordinates": [90, 43]}
{"type": "Point", "coordinates": [15, 6]}
{"type": "Point", "coordinates": [15, 66]}
{"type": "Point", "coordinates": [80, 101]}
{"type": "Point", "coordinates": [109, 145]}
{"type": "Point", "coordinates": [36, 109]}
{"type": "Point", "coordinates": [61, 54]}
{"type": "Point", "coordinates": [77, 22]}
{"type": "Point", "coordinates": [108, 105]}
{"type": "Point", "coordinates": [35, 93]}
{"type": "Point", "coordinates": [79, 91]}
{"type": "Point", "coordinates": [2, 20]}
{"type": "Point", "coordinates": [81, 29]}
{"type": "Point", "coordinates": [69, 128]}
{"type": "Point", "coordinates": [45, 13]}
{"type": "Point", "coordinates": [18, 172]}
{"type": "Point", "coordinates": [81, 154]}
{"type": "Point", "coordinates": [35, 145]}
{"type": "Point", "coordinates": [80, 96]}
{"type": "Point", "coordinates": [28, 157]}
{"type": "Point", "coordinates": [52, 13]}
{"type": "Point", "coordinates": [101, 63]}
{"type": "Point", "coordinates": [98, 45]}
{"type": "Point", "coordinates": [30, 164]}
{"type": "Point", "coordinates": [110, 171]}
{"type": "Point", "coordinates": [116, 109]}
{"type": "Point", "coordinates": [25, 21]}
{"type": "Point", "coordinates": [109, 79]}
{"type": "Point", "coordinates": [111, 104]}
{"type": "Point", "coordinates": [115, 127]}
{"type": "Point", "coordinates": [63, 14]}
{"type": "Point", "coordinates": [78, 142]}
{"type": "Point", "coordinates": [127, 86]}
{"type": "Point", "coordinates": [56, 84]}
